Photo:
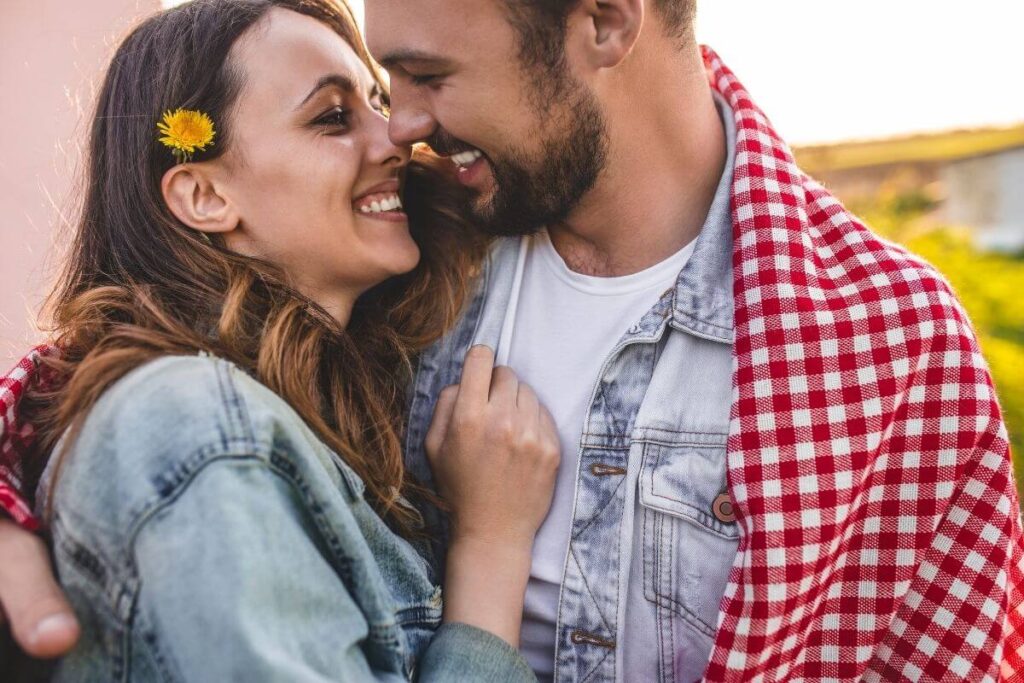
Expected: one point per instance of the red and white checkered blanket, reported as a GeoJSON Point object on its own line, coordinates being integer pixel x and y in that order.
{"type": "Point", "coordinates": [868, 461]}
{"type": "Point", "coordinates": [16, 436]}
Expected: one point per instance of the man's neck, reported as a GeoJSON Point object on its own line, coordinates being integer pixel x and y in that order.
{"type": "Point", "coordinates": [666, 156]}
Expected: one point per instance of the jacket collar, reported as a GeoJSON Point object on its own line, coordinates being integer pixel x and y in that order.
{"type": "Point", "coordinates": [703, 298]}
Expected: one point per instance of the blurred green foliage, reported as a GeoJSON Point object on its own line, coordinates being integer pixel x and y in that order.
{"type": "Point", "coordinates": [989, 284]}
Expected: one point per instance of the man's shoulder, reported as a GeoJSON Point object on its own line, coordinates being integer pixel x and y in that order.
{"type": "Point", "coordinates": [867, 276]}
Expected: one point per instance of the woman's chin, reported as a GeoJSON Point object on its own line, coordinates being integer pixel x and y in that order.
{"type": "Point", "coordinates": [401, 259]}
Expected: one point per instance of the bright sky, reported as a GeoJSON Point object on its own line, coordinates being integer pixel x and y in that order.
{"type": "Point", "coordinates": [834, 70]}
{"type": "Point", "coordinates": [838, 70]}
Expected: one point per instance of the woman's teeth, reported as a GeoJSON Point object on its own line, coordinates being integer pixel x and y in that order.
{"type": "Point", "coordinates": [465, 159]}
{"type": "Point", "coordinates": [382, 204]}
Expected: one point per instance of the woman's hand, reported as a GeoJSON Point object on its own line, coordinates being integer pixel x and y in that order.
{"type": "Point", "coordinates": [494, 453]}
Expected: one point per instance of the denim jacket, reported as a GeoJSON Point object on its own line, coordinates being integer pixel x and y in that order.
{"type": "Point", "coordinates": [203, 533]}
{"type": "Point", "coordinates": [651, 549]}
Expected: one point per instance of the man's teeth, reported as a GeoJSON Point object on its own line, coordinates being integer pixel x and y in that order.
{"type": "Point", "coordinates": [389, 203]}
{"type": "Point", "coordinates": [464, 159]}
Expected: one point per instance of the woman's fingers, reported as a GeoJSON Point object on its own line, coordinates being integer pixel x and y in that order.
{"type": "Point", "coordinates": [40, 617]}
{"type": "Point", "coordinates": [549, 433]}
{"type": "Point", "coordinates": [442, 417]}
{"type": "Point", "coordinates": [527, 401]}
{"type": "Point", "coordinates": [504, 388]}
{"type": "Point", "coordinates": [475, 385]}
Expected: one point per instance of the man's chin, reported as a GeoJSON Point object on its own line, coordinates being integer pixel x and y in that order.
{"type": "Point", "coordinates": [504, 224]}
{"type": "Point", "coordinates": [502, 215]}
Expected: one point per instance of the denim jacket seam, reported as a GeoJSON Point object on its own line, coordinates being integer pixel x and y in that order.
{"type": "Point", "coordinates": [109, 584]}
{"type": "Point", "coordinates": [688, 324]}
{"type": "Point", "coordinates": [659, 596]}
{"type": "Point", "coordinates": [139, 524]}
{"type": "Point", "coordinates": [481, 292]}
{"type": "Point", "coordinates": [485, 283]}
{"type": "Point", "coordinates": [188, 476]}
{"type": "Point", "coordinates": [123, 572]}
{"type": "Point", "coordinates": [648, 464]}
{"type": "Point", "coordinates": [382, 632]}
{"type": "Point", "coordinates": [258, 459]}
{"type": "Point", "coordinates": [233, 397]}
{"type": "Point", "coordinates": [694, 435]}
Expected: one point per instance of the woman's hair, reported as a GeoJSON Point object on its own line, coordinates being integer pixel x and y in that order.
{"type": "Point", "coordinates": [139, 284]}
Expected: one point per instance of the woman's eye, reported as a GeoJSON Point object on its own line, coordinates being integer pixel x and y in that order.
{"type": "Point", "coordinates": [339, 116]}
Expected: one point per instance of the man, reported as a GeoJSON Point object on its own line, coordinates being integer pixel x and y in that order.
{"type": "Point", "coordinates": [782, 456]}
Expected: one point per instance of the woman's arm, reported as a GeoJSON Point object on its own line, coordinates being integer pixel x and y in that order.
{"type": "Point", "coordinates": [494, 452]}
{"type": "Point", "coordinates": [235, 585]}
{"type": "Point", "coordinates": [41, 620]}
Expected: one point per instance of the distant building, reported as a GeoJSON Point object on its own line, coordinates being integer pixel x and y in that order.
{"type": "Point", "coordinates": [977, 177]}
{"type": "Point", "coordinates": [987, 192]}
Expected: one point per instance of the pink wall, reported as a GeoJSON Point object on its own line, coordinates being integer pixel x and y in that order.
{"type": "Point", "coordinates": [51, 55]}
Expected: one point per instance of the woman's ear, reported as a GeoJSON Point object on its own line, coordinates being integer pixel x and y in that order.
{"type": "Point", "coordinates": [612, 29]}
{"type": "Point", "coordinates": [196, 199]}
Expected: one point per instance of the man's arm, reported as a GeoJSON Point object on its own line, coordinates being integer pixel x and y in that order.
{"type": "Point", "coordinates": [40, 617]}
{"type": "Point", "coordinates": [30, 600]}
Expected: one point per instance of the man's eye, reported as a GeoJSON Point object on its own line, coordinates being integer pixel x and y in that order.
{"type": "Point", "coordinates": [339, 116]}
{"type": "Point", "coordinates": [424, 79]}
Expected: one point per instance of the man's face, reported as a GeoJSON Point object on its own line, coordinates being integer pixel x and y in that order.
{"type": "Point", "coordinates": [528, 140]}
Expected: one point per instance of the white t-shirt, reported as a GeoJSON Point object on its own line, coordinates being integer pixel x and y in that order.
{"type": "Point", "coordinates": [559, 330]}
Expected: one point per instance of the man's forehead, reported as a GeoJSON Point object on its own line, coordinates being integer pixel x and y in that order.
{"type": "Point", "coordinates": [428, 28]}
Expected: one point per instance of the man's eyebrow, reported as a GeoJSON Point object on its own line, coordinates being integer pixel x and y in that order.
{"type": "Point", "coordinates": [338, 80]}
{"type": "Point", "coordinates": [408, 56]}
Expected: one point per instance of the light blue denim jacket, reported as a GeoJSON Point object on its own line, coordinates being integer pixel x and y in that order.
{"type": "Point", "coordinates": [648, 559]}
{"type": "Point", "coordinates": [203, 533]}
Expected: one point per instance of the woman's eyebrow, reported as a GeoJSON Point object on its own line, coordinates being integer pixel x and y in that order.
{"type": "Point", "coordinates": [338, 80]}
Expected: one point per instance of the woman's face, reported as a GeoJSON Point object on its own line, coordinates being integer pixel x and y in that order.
{"type": "Point", "coordinates": [310, 170]}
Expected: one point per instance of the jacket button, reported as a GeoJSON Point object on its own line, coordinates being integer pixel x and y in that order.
{"type": "Point", "coordinates": [723, 509]}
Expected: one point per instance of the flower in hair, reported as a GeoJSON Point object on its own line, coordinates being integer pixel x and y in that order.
{"type": "Point", "coordinates": [185, 131]}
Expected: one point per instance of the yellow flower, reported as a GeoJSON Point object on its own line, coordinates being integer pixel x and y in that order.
{"type": "Point", "coordinates": [184, 131]}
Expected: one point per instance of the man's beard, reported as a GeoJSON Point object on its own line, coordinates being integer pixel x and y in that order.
{"type": "Point", "coordinates": [532, 193]}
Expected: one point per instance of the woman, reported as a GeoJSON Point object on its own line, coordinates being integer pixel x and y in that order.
{"type": "Point", "coordinates": [226, 491]}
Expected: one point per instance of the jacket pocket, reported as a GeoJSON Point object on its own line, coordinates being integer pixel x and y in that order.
{"type": "Point", "coordinates": [690, 535]}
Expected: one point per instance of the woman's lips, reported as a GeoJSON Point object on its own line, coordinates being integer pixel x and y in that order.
{"type": "Point", "coordinates": [381, 202]}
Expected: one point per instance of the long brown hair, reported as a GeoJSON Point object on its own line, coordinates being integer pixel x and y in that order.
{"type": "Point", "coordinates": [139, 284]}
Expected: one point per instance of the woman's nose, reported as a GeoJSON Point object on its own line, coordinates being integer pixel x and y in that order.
{"type": "Point", "coordinates": [382, 149]}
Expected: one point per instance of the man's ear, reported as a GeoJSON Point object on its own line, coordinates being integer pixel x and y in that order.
{"type": "Point", "coordinates": [611, 29]}
{"type": "Point", "coordinates": [197, 199]}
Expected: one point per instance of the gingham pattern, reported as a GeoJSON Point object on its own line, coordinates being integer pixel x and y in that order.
{"type": "Point", "coordinates": [16, 436]}
{"type": "Point", "coordinates": [867, 459]}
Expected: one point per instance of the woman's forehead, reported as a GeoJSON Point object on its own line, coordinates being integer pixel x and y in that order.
{"type": "Point", "coordinates": [288, 53]}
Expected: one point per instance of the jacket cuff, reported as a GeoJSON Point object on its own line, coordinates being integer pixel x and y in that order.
{"type": "Point", "coordinates": [466, 653]}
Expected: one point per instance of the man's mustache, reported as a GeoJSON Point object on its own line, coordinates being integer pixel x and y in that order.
{"type": "Point", "coordinates": [445, 145]}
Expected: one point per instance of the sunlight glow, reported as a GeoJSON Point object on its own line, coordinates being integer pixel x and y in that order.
{"type": "Point", "coordinates": [828, 71]}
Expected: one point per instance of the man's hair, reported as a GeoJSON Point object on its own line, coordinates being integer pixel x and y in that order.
{"type": "Point", "coordinates": [540, 26]}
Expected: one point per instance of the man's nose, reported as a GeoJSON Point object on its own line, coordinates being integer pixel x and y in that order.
{"type": "Point", "coordinates": [409, 125]}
